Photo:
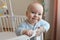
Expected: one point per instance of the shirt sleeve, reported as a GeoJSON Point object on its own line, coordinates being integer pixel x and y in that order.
{"type": "Point", "coordinates": [46, 26]}
{"type": "Point", "coordinates": [20, 29]}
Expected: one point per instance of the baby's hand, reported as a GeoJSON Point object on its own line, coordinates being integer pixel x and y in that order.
{"type": "Point", "coordinates": [39, 31]}
{"type": "Point", "coordinates": [28, 32]}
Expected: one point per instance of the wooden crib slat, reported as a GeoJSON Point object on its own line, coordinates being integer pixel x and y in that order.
{"type": "Point", "coordinates": [9, 23]}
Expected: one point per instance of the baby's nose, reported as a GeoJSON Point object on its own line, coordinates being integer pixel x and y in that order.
{"type": "Point", "coordinates": [35, 15]}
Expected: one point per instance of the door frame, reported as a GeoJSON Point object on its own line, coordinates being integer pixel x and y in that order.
{"type": "Point", "coordinates": [54, 29]}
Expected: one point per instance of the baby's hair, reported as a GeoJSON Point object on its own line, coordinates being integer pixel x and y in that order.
{"type": "Point", "coordinates": [29, 6]}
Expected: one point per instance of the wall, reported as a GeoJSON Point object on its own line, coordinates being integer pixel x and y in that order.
{"type": "Point", "coordinates": [20, 6]}
{"type": "Point", "coordinates": [58, 22]}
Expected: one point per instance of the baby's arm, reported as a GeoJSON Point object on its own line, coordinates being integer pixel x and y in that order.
{"type": "Point", "coordinates": [43, 28]}
{"type": "Point", "coordinates": [21, 30]}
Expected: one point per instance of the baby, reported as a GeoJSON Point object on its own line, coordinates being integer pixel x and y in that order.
{"type": "Point", "coordinates": [33, 22]}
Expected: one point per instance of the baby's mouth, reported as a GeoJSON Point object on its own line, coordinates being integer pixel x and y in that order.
{"type": "Point", "coordinates": [34, 18]}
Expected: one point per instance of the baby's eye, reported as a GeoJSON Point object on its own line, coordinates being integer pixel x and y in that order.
{"type": "Point", "coordinates": [39, 14]}
{"type": "Point", "coordinates": [33, 12]}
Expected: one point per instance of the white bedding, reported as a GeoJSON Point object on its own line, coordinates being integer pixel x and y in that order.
{"type": "Point", "coordinates": [7, 35]}
{"type": "Point", "coordinates": [22, 37]}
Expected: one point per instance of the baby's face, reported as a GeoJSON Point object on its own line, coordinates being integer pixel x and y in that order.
{"type": "Point", "coordinates": [34, 14]}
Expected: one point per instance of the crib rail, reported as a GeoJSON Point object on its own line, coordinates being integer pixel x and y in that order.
{"type": "Point", "coordinates": [10, 23]}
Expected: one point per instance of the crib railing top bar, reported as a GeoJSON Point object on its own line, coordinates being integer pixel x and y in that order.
{"type": "Point", "coordinates": [18, 15]}
{"type": "Point", "coordinates": [13, 16]}
{"type": "Point", "coordinates": [3, 16]}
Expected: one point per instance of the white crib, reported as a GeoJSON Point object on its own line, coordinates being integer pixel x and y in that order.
{"type": "Point", "coordinates": [8, 24]}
